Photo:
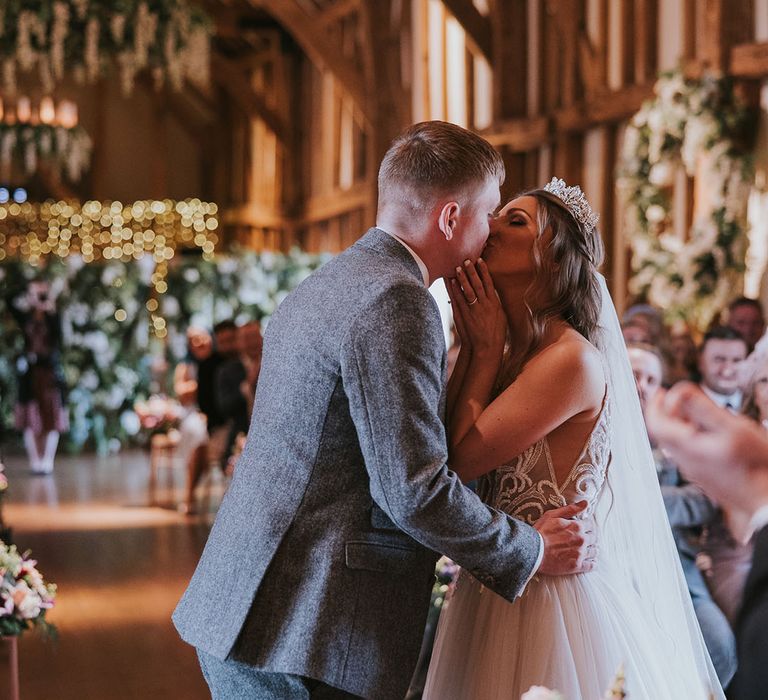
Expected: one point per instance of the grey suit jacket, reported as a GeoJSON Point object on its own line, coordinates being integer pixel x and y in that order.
{"type": "Point", "coordinates": [321, 559]}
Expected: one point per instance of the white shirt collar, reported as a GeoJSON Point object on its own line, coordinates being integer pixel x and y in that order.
{"type": "Point", "coordinates": [759, 519]}
{"type": "Point", "coordinates": [732, 401]}
{"type": "Point", "coordinates": [422, 267]}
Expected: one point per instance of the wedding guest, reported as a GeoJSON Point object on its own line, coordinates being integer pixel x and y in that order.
{"type": "Point", "coordinates": [648, 318]}
{"type": "Point", "coordinates": [688, 510]}
{"type": "Point", "coordinates": [726, 544]}
{"type": "Point", "coordinates": [636, 333]}
{"type": "Point", "coordinates": [701, 437]}
{"type": "Point", "coordinates": [754, 383]}
{"type": "Point", "coordinates": [236, 382]}
{"type": "Point", "coordinates": [40, 412]}
{"type": "Point", "coordinates": [193, 427]}
{"type": "Point", "coordinates": [683, 357]}
{"type": "Point", "coordinates": [719, 356]}
{"type": "Point", "coordinates": [747, 318]}
{"type": "Point", "coordinates": [212, 450]}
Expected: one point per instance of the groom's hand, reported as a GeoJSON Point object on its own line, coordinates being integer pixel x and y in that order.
{"type": "Point", "coordinates": [570, 545]}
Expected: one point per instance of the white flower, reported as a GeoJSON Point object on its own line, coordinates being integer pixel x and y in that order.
{"type": "Point", "coordinates": [191, 275]}
{"type": "Point", "coordinates": [110, 274]}
{"type": "Point", "coordinates": [171, 307]}
{"type": "Point", "coordinates": [227, 266]}
{"type": "Point", "coordinates": [661, 174]}
{"type": "Point", "coordinates": [89, 380]}
{"type": "Point", "coordinates": [539, 692]}
{"type": "Point", "coordinates": [655, 213]}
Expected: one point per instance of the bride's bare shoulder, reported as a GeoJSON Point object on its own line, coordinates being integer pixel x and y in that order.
{"type": "Point", "coordinates": [574, 360]}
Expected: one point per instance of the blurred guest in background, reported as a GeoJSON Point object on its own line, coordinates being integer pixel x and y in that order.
{"type": "Point", "coordinates": [236, 382]}
{"type": "Point", "coordinates": [701, 438]}
{"type": "Point", "coordinates": [210, 452]}
{"type": "Point", "coordinates": [688, 510]}
{"type": "Point", "coordinates": [40, 412]}
{"type": "Point", "coordinates": [719, 356]}
{"type": "Point", "coordinates": [683, 357]}
{"type": "Point", "coordinates": [747, 318]}
{"type": "Point", "coordinates": [193, 425]}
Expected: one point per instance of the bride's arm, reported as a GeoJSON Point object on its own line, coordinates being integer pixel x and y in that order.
{"type": "Point", "coordinates": [561, 382]}
{"type": "Point", "coordinates": [482, 330]}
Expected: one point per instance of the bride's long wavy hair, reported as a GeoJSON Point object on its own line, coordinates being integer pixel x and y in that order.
{"type": "Point", "coordinates": [564, 285]}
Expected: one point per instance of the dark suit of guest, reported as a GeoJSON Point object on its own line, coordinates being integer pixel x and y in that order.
{"type": "Point", "coordinates": [688, 509]}
{"type": "Point", "coordinates": [232, 405]}
{"type": "Point", "coordinates": [751, 681]}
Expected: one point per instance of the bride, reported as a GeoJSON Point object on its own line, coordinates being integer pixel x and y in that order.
{"type": "Point", "coordinates": [543, 412]}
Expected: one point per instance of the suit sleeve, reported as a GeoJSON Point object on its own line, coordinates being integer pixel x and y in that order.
{"type": "Point", "coordinates": [688, 506]}
{"type": "Point", "coordinates": [751, 678]}
{"type": "Point", "coordinates": [391, 369]}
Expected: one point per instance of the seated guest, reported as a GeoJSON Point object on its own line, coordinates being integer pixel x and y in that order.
{"type": "Point", "coordinates": [727, 545]}
{"type": "Point", "coordinates": [719, 356]}
{"type": "Point", "coordinates": [212, 450]}
{"type": "Point", "coordinates": [701, 438]}
{"type": "Point", "coordinates": [683, 357]}
{"type": "Point", "coordinates": [688, 509]}
{"type": "Point", "coordinates": [746, 317]}
{"type": "Point", "coordinates": [648, 318]}
{"type": "Point", "coordinates": [236, 382]}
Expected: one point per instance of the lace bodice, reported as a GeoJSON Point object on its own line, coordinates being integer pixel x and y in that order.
{"type": "Point", "coordinates": [528, 486]}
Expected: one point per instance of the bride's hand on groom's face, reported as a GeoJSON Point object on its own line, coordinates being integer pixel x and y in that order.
{"type": "Point", "coordinates": [479, 317]}
{"type": "Point", "coordinates": [570, 544]}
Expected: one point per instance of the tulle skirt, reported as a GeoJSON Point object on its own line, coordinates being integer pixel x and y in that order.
{"type": "Point", "coordinates": [570, 634]}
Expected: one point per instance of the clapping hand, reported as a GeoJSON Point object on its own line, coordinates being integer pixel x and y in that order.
{"type": "Point", "coordinates": [477, 312]}
{"type": "Point", "coordinates": [726, 455]}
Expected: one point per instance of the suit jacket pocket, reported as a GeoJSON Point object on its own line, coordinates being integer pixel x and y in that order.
{"type": "Point", "coordinates": [384, 557]}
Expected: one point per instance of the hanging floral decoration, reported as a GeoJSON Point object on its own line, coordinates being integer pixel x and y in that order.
{"type": "Point", "coordinates": [689, 124]}
{"type": "Point", "coordinates": [65, 150]}
{"type": "Point", "coordinates": [170, 38]}
{"type": "Point", "coordinates": [113, 353]}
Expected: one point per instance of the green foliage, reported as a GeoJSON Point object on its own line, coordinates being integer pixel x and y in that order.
{"type": "Point", "coordinates": [109, 364]}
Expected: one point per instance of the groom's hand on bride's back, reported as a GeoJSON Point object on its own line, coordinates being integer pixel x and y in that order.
{"type": "Point", "coordinates": [570, 544]}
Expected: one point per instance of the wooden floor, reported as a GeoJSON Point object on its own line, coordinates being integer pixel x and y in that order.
{"type": "Point", "coordinates": [120, 566]}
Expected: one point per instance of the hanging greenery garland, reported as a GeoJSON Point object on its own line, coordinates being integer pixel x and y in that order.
{"type": "Point", "coordinates": [65, 149]}
{"type": "Point", "coordinates": [170, 38]}
{"type": "Point", "coordinates": [701, 126]}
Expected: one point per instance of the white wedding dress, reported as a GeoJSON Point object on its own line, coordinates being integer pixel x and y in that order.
{"type": "Point", "coordinates": [573, 633]}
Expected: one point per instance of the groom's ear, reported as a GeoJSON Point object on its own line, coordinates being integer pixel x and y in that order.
{"type": "Point", "coordinates": [448, 219]}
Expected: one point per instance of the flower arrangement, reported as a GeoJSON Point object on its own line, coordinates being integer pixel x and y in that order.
{"type": "Point", "coordinates": [617, 691]}
{"type": "Point", "coordinates": [170, 38]}
{"type": "Point", "coordinates": [24, 597]}
{"type": "Point", "coordinates": [108, 349]}
{"type": "Point", "coordinates": [158, 414]}
{"type": "Point", "coordinates": [686, 121]}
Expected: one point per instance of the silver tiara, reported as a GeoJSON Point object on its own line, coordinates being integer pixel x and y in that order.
{"type": "Point", "coordinates": [574, 200]}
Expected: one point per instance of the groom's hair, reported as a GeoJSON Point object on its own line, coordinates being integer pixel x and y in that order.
{"type": "Point", "coordinates": [433, 159]}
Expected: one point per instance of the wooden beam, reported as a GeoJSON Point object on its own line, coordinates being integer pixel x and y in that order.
{"type": "Point", "coordinates": [232, 78]}
{"type": "Point", "coordinates": [726, 24]}
{"type": "Point", "coordinates": [303, 27]}
{"type": "Point", "coordinates": [477, 27]}
{"type": "Point", "coordinates": [336, 203]}
{"type": "Point", "coordinates": [339, 10]}
{"type": "Point", "coordinates": [520, 135]}
{"type": "Point", "coordinates": [510, 59]}
{"type": "Point", "coordinates": [750, 60]}
{"type": "Point", "coordinates": [608, 107]}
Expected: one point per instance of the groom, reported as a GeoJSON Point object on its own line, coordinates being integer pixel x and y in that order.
{"type": "Point", "coordinates": [316, 577]}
